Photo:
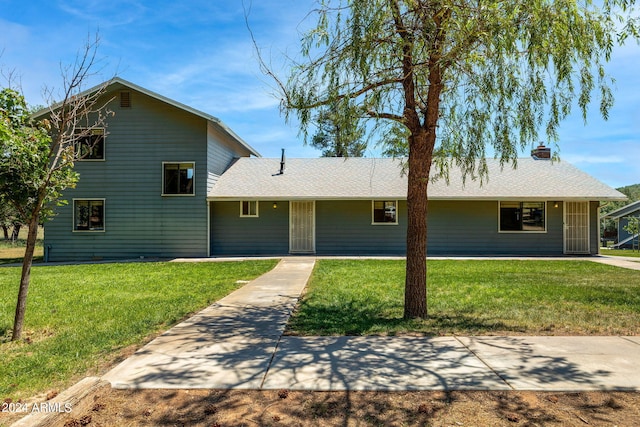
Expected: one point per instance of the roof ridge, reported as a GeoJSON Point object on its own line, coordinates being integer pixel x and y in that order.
{"type": "Point", "coordinates": [162, 98]}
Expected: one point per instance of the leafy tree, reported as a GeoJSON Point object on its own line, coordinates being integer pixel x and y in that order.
{"type": "Point", "coordinates": [37, 157]}
{"type": "Point", "coordinates": [336, 138]}
{"type": "Point", "coordinates": [631, 191]}
{"type": "Point", "coordinates": [457, 77]}
{"type": "Point", "coordinates": [633, 228]}
{"type": "Point", "coordinates": [609, 226]}
{"type": "Point", "coordinates": [9, 220]}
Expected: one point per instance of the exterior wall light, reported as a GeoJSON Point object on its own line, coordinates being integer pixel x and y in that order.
{"type": "Point", "coordinates": [275, 205]}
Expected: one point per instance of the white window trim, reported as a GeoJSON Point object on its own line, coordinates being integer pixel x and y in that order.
{"type": "Point", "coordinates": [104, 145]}
{"type": "Point", "coordinates": [546, 218]}
{"type": "Point", "coordinates": [373, 214]}
{"type": "Point", "coordinates": [89, 199]}
{"type": "Point", "coordinates": [257, 209]}
{"type": "Point", "coordinates": [163, 194]}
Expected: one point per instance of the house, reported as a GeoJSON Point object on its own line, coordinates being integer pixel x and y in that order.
{"type": "Point", "coordinates": [357, 206]}
{"type": "Point", "coordinates": [170, 181]}
{"type": "Point", "coordinates": [621, 217]}
{"type": "Point", "coordinates": [143, 192]}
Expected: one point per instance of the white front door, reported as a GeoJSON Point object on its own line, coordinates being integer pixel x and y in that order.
{"type": "Point", "coordinates": [302, 227]}
{"type": "Point", "coordinates": [576, 228]}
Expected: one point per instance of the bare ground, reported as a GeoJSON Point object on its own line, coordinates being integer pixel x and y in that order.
{"type": "Point", "coordinates": [301, 408]}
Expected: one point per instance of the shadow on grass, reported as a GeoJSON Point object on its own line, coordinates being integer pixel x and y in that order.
{"type": "Point", "coordinates": [354, 319]}
{"type": "Point", "coordinates": [5, 333]}
{"type": "Point", "coordinates": [18, 261]}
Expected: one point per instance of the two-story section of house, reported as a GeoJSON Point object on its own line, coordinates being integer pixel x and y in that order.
{"type": "Point", "coordinates": [143, 187]}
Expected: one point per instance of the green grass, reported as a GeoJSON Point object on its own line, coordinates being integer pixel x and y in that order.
{"type": "Point", "coordinates": [472, 298]}
{"type": "Point", "coordinates": [620, 252]}
{"type": "Point", "coordinates": [13, 253]}
{"type": "Point", "coordinates": [80, 317]}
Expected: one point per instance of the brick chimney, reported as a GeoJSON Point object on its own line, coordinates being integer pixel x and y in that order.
{"type": "Point", "coordinates": [541, 153]}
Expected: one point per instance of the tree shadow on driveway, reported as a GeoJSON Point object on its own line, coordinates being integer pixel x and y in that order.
{"type": "Point", "coordinates": [421, 363]}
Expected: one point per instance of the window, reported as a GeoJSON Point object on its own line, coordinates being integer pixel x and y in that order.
{"type": "Point", "coordinates": [249, 208]}
{"type": "Point", "coordinates": [88, 215]}
{"type": "Point", "coordinates": [385, 212]}
{"type": "Point", "coordinates": [522, 216]}
{"type": "Point", "coordinates": [178, 178]}
{"type": "Point", "coordinates": [89, 144]}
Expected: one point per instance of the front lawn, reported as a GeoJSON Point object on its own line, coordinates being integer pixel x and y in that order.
{"type": "Point", "coordinates": [80, 317]}
{"type": "Point", "coordinates": [472, 297]}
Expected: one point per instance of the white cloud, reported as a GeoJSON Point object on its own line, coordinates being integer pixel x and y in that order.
{"type": "Point", "coordinates": [108, 13]}
{"type": "Point", "coordinates": [14, 36]}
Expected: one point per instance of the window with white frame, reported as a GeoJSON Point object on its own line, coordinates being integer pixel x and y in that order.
{"type": "Point", "coordinates": [88, 214]}
{"type": "Point", "coordinates": [89, 144]}
{"type": "Point", "coordinates": [178, 178]}
{"type": "Point", "coordinates": [523, 216]}
{"type": "Point", "coordinates": [385, 212]}
{"type": "Point", "coordinates": [249, 208]}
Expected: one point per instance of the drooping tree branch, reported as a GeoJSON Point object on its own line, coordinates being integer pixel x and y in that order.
{"type": "Point", "coordinates": [458, 78]}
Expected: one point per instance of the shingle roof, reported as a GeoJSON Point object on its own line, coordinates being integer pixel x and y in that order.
{"type": "Point", "coordinates": [369, 178]}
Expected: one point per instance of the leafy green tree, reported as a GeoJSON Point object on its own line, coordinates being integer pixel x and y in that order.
{"type": "Point", "coordinates": [37, 157]}
{"type": "Point", "coordinates": [633, 228]}
{"type": "Point", "coordinates": [9, 220]}
{"type": "Point", "coordinates": [610, 227]}
{"type": "Point", "coordinates": [336, 138]}
{"type": "Point", "coordinates": [458, 77]}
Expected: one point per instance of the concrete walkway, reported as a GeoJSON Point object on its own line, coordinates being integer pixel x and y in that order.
{"type": "Point", "coordinates": [617, 261]}
{"type": "Point", "coordinates": [238, 343]}
{"type": "Point", "coordinates": [229, 344]}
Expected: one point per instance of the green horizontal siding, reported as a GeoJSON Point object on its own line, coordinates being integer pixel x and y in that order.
{"type": "Point", "coordinates": [267, 234]}
{"type": "Point", "coordinates": [139, 221]}
{"type": "Point", "coordinates": [471, 228]}
{"type": "Point", "coordinates": [220, 154]}
{"type": "Point", "coordinates": [344, 228]}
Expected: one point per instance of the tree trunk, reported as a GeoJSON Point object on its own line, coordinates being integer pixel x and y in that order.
{"type": "Point", "coordinates": [5, 230]}
{"type": "Point", "coordinates": [421, 145]}
{"type": "Point", "coordinates": [16, 232]}
{"type": "Point", "coordinates": [422, 142]}
{"type": "Point", "coordinates": [415, 289]}
{"type": "Point", "coordinates": [25, 278]}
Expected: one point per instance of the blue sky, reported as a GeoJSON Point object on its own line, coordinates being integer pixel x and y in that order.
{"type": "Point", "coordinates": [199, 52]}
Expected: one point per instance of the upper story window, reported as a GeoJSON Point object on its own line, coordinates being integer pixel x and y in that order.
{"type": "Point", "coordinates": [385, 212]}
{"type": "Point", "coordinates": [523, 216]}
{"type": "Point", "coordinates": [89, 144]}
{"type": "Point", "coordinates": [178, 178]}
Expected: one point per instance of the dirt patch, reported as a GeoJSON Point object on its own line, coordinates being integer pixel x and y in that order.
{"type": "Point", "coordinates": [298, 408]}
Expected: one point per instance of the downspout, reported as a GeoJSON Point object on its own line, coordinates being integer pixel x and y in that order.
{"type": "Point", "coordinates": [208, 229]}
